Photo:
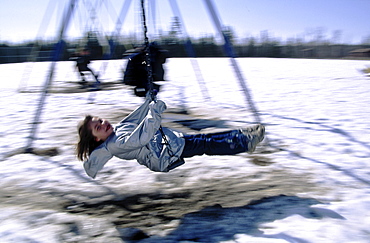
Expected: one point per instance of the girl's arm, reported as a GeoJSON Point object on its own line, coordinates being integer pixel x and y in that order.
{"type": "Point", "coordinates": [97, 159]}
{"type": "Point", "coordinates": [146, 129]}
{"type": "Point", "coordinates": [138, 114]}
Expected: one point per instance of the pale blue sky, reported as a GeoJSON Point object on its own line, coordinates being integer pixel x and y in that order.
{"type": "Point", "coordinates": [20, 19]}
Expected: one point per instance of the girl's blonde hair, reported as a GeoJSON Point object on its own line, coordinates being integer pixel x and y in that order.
{"type": "Point", "coordinates": [87, 142]}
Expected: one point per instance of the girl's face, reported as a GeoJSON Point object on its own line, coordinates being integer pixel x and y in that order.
{"type": "Point", "coordinates": [101, 129]}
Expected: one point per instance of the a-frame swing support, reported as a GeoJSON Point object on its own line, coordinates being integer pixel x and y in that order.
{"type": "Point", "coordinates": [230, 52]}
{"type": "Point", "coordinates": [228, 48]}
{"type": "Point", "coordinates": [55, 57]}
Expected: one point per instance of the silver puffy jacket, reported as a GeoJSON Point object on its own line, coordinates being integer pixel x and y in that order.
{"type": "Point", "coordinates": [138, 137]}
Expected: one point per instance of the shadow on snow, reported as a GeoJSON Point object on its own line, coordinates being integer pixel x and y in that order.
{"type": "Point", "coordinates": [215, 223]}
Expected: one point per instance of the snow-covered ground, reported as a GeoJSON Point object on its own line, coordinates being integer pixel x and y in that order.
{"type": "Point", "coordinates": [308, 182]}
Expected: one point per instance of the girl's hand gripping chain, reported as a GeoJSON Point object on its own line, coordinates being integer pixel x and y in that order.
{"type": "Point", "coordinates": [151, 95]}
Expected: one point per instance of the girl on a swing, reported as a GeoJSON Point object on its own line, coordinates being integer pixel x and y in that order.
{"type": "Point", "coordinates": [140, 136]}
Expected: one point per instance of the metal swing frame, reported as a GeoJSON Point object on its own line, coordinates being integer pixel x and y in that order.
{"type": "Point", "coordinates": [59, 47]}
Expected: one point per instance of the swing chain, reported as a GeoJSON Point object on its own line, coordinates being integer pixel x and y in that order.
{"type": "Point", "coordinates": [147, 54]}
{"type": "Point", "coordinates": [150, 76]}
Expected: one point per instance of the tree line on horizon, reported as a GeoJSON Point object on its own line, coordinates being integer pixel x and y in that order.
{"type": "Point", "coordinates": [208, 46]}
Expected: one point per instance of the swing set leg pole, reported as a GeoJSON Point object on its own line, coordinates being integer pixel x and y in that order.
{"type": "Point", "coordinates": [55, 57]}
{"type": "Point", "coordinates": [230, 52]}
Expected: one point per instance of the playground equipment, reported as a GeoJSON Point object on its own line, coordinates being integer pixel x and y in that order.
{"type": "Point", "coordinates": [59, 47]}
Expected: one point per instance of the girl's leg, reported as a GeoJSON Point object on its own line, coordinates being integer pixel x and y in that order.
{"type": "Point", "coordinates": [216, 136]}
{"type": "Point", "coordinates": [224, 143]}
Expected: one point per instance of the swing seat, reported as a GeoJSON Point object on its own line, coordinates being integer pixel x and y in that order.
{"type": "Point", "coordinates": [142, 91]}
{"type": "Point", "coordinates": [136, 74]}
{"type": "Point", "coordinates": [176, 164]}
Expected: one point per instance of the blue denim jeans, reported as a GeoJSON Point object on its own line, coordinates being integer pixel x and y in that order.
{"type": "Point", "coordinates": [222, 143]}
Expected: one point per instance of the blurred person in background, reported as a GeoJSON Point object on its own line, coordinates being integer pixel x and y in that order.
{"type": "Point", "coordinates": [82, 60]}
